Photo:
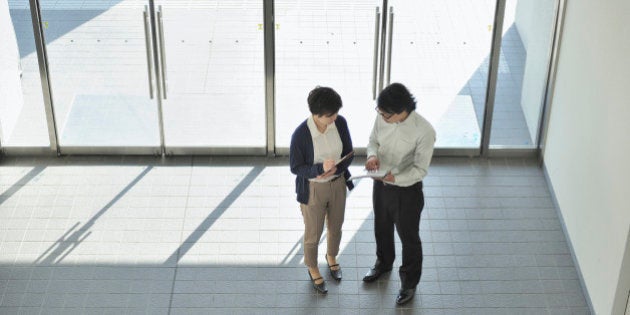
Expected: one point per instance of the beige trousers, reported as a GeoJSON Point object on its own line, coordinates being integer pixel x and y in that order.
{"type": "Point", "coordinates": [326, 203]}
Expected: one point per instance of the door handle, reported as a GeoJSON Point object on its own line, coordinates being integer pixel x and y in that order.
{"type": "Point", "coordinates": [162, 51]}
{"type": "Point", "coordinates": [375, 68]}
{"type": "Point", "coordinates": [145, 21]}
{"type": "Point", "coordinates": [389, 49]}
{"type": "Point", "coordinates": [383, 43]}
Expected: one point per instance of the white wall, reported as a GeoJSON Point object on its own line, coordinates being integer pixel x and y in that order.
{"type": "Point", "coordinates": [534, 22]}
{"type": "Point", "coordinates": [587, 153]}
{"type": "Point", "coordinates": [11, 100]}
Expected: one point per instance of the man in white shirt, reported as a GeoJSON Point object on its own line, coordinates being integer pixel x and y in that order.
{"type": "Point", "coordinates": [401, 143]}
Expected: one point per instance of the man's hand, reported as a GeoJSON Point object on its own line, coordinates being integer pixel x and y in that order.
{"type": "Point", "coordinates": [372, 164]}
{"type": "Point", "coordinates": [389, 178]}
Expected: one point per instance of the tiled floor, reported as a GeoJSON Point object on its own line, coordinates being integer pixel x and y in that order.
{"type": "Point", "coordinates": [201, 235]}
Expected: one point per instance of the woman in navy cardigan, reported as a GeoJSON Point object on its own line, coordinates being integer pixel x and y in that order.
{"type": "Point", "coordinates": [316, 146]}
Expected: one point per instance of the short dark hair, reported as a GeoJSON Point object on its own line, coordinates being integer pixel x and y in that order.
{"type": "Point", "coordinates": [395, 99]}
{"type": "Point", "coordinates": [323, 101]}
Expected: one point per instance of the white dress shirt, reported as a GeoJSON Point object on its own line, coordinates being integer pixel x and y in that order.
{"type": "Point", "coordinates": [404, 148]}
{"type": "Point", "coordinates": [326, 145]}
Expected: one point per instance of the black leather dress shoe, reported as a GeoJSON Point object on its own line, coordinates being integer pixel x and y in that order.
{"type": "Point", "coordinates": [320, 287]}
{"type": "Point", "coordinates": [405, 295]}
{"type": "Point", "coordinates": [374, 274]}
{"type": "Point", "coordinates": [336, 274]}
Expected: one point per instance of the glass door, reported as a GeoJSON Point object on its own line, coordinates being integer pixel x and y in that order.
{"type": "Point", "coordinates": [157, 76]}
{"type": "Point", "coordinates": [440, 50]}
{"type": "Point", "coordinates": [326, 43]}
{"type": "Point", "coordinates": [523, 69]}
{"type": "Point", "coordinates": [22, 109]}
{"type": "Point", "coordinates": [102, 82]}
{"type": "Point", "coordinates": [212, 61]}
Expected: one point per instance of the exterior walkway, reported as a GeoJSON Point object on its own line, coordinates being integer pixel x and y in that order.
{"type": "Point", "coordinates": [142, 235]}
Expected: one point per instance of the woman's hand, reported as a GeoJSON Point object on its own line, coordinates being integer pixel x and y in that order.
{"type": "Point", "coordinates": [330, 172]}
{"type": "Point", "coordinates": [328, 164]}
{"type": "Point", "coordinates": [372, 164]}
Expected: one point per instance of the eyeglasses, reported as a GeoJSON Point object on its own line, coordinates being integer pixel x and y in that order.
{"type": "Point", "coordinates": [385, 115]}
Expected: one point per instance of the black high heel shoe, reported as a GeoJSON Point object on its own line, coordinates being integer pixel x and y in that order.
{"type": "Point", "coordinates": [336, 274]}
{"type": "Point", "coordinates": [321, 287]}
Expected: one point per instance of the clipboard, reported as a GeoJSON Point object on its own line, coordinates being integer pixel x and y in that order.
{"type": "Point", "coordinates": [345, 157]}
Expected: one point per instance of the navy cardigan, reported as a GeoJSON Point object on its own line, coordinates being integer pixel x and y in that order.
{"type": "Point", "coordinates": [301, 157]}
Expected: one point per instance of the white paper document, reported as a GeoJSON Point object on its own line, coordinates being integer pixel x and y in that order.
{"type": "Point", "coordinates": [371, 174]}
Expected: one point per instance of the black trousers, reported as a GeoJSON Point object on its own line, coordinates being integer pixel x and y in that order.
{"type": "Point", "coordinates": [399, 207]}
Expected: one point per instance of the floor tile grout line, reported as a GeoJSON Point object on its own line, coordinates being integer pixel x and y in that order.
{"type": "Point", "coordinates": [181, 237]}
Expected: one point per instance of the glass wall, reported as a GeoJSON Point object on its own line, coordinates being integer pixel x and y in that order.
{"type": "Point", "coordinates": [523, 67]}
{"type": "Point", "coordinates": [213, 61]}
{"type": "Point", "coordinates": [22, 114]}
{"type": "Point", "coordinates": [439, 50]}
{"type": "Point", "coordinates": [441, 53]}
{"type": "Point", "coordinates": [325, 43]}
{"type": "Point", "coordinates": [190, 76]}
{"type": "Point", "coordinates": [98, 63]}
